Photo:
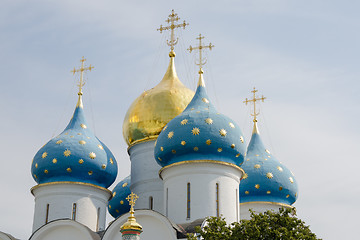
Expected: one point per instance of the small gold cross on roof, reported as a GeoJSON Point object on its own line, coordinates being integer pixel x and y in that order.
{"type": "Point", "coordinates": [82, 69]}
{"type": "Point", "coordinates": [254, 100]}
{"type": "Point", "coordinates": [132, 199]}
{"type": "Point", "coordinates": [173, 17]}
{"type": "Point", "coordinates": [201, 48]}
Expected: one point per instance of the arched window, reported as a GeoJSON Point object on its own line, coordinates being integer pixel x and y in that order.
{"type": "Point", "coordinates": [73, 216]}
{"type": "Point", "coordinates": [151, 203]}
{"type": "Point", "coordinates": [167, 201]}
{"type": "Point", "coordinates": [47, 213]}
{"type": "Point", "coordinates": [188, 202]}
{"type": "Point", "coordinates": [217, 200]}
{"type": "Point", "coordinates": [98, 219]}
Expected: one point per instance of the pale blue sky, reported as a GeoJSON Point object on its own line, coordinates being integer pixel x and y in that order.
{"type": "Point", "coordinates": [304, 56]}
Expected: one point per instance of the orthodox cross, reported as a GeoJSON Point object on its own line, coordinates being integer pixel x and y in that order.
{"type": "Point", "coordinates": [200, 48]}
{"type": "Point", "coordinates": [254, 100]}
{"type": "Point", "coordinates": [132, 199]}
{"type": "Point", "coordinates": [82, 69]}
{"type": "Point", "coordinates": [173, 17]}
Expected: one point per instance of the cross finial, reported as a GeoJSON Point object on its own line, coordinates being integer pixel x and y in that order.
{"type": "Point", "coordinates": [254, 100]}
{"type": "Point", "coordinates": [132, 199]}
{"type": "Point", "coordinates": [81, 70]}
{"type": "Point", "coordinates": [173, 17]}
{"type": "Point", "coordinates": [200, 48]}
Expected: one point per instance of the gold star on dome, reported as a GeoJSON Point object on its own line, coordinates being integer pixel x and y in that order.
{"type": "Point", "coordinates": [209, 121]}
{"type": "Point", "coordinates": [267, 151]}
{"type": "Point", "coordinates": [231, 125]}
{"type": "Point", "coordinates": [36, 165]}
{"type": "Point", "coordinates": [44, 155]}
{"type": "Point", "coordinates": [90, 173]}
{"type": "Point", "coordinates": [184, 122]}
{"type": "Point", "coordinates": [287, 196]}
{"type": "Point", "coordinates": [195, 131]}
{"type": "Point", "coordinates": [280, 188]}
{"type": "Point", "coordinates": [257, 186]}
{"type": "Point", "coordinates": [59, 141]}
{"type": "Point", "coordinates": [170, 134]}
{"type": "Point", "coordinates": [68, 169]}
{"type": "Point", "coordinates": [81, 161]}
{"type": "Point", "coordinates": [173, 151]}
{"type": "Point", "coordinates": [208, 142]}
{"type": "Point", "coordinates": [83, 126]}
{"type": "Point", "coordinates": [196, 149]}
{"type": "Point", "coordinates": [268, 192]}
{"type": "Point", "coordinates": [269, 175]}
{"type": "Point", "coordinates": [159, 159]}
{"type": "Point", "coordinates": [161, 149]}
{"type": "Point", "coordinates": [114, 194]}
{"type": "Point", "coordinates": [257, 166]}
{"type": "Point", "coordinates": [279, 168]}
{"type": "Point", "coordinates": [54, 160]}
{"type": "Point", "coordinates": [245, 176]}
{"type": "Point", "coordinates": [223, 132]}
{"type": "Point", "coordinates": [246, 192]}
{"type": "Point", "coordinates": [82, 142]}
{"type": "Point", "coordinates": [103, 166]}
{"type": "Point", "coordinates": [46, 171]}
{"type": "Point", "coordinates": [67, 153]}
{"type": "Point", "coordinates": [101, 147]}
{"type": "Point", "coordinates": [121, 202]}
{"type": "Point", "coordinates": [117, 211]}
{"type": "Point", "coordinates": [219, 149]}
{"type": "Point", "coordinates": [237, 155]}
{"type": "Point", "coordinates": [205, 100]}
{"type": "Point", "coordinates": [124, 184]}
{"type": "Point", "coordinates": [111, 161]}
{"type": "Point", "coordinates": [110, 206]}
{"type": "Point", "coordinates": [232, 146]}
{"type": "Point", "coordinates": [92, 155]}
{"type": "Point", "coordinates": [183, 143]}
{"type": "Point", "coordinates": [291, 179]}
{"type": "Point", "coordinates": [242, 139]}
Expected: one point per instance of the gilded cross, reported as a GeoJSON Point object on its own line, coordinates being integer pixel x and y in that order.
{"type": "Point", "coordinates": [82, 69]}
{"type": "Point", "coordinates": [173, 17]}
{"type": "Point", "coordinates": [254, 100]}
{"type": "Point", "coordinates": [132, 199]}
{"type": "Point", "coordinates": [200, 48]}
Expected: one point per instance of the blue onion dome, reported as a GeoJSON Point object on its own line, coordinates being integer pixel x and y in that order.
{"type": "Point", "coordinates": [118, 205]}
{"type": "Point", "coordinates": [200, 133]}
{"type": "Point", "coordinates": [76, 155]}
{"type": "Point", "coordinates": [265, 179]}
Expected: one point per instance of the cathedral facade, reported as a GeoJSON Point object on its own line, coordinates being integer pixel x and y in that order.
{"type": "Point", "coordinates": [188, 162]}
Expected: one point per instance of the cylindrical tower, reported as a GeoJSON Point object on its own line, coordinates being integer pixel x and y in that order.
{"type": "Point", "coordinates": [73, 172]}
{"type": "Point", "coordinates": [201, 152]}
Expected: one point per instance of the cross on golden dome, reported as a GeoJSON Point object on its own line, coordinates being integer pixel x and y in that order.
{"type": "Point", "coordinates": [173, 17]}
{"type": "Point", "coordinates": [82, 69]}
{"type": "Point", "coordinates": [200, 48]}
{"type": "Point", "coordinates": [254, 100]}
{"type": "Point", "coordinates": [132, 199]}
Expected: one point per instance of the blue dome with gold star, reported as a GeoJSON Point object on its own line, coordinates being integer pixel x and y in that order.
{"type": "Point", "coordinates": [265, 179]}
{"type": "Point", "coordinates": [76, 155]}
{"type": "Point", "coordinates": [200, 133]}
{"type": "Point", "coordinates": [118, 205]}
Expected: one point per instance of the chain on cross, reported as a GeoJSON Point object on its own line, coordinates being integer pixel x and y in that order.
{"type": "Point", "coordinates": [200, 48]}
{"type": "Point", "coordinates": [173, 17]}
{"type": "Point", "coordinates": [132, 199]}
{"type": "Point", "coordinates": [254, 100]}
{"type": "Point", "coordinates": [82, 69]}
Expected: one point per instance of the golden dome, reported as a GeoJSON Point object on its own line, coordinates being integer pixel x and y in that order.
{"type": "Point", "coordinates": [154, 108]}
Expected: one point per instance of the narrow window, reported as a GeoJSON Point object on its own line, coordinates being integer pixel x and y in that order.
{"type": "Point", "coordinates": [151, 202]}
{"type": "Point", "coordinates": [47, 213]}
{"type": "Point", "coordinates": [73, 212]}
{"type": "Point", "coordinates": [217, 200]}
{"type": "Point", "coordinates": [97, 220]}
{"type": "Point", "coordinates": [237, 204]}
{"type": "Point", "coordinates": [188, 202]}
{"type": "Point", "coordinates": [167, 201]}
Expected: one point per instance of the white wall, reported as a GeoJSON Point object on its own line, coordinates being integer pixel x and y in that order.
{"type": "Point", "coordinates": [145, 181]}
{"type": "Point", "coordinates": [259, 207]}
{"type": "Point", "coordinates": [202, 177]}
{"type": "Point", "coordinates": [62, 196]}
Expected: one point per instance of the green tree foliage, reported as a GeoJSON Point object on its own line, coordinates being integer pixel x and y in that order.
{"type": "Point", "coordinates": [282, 225]}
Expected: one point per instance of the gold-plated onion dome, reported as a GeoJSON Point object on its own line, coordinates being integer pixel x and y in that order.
{"type": "Point", "coordinates": [154, 108]}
